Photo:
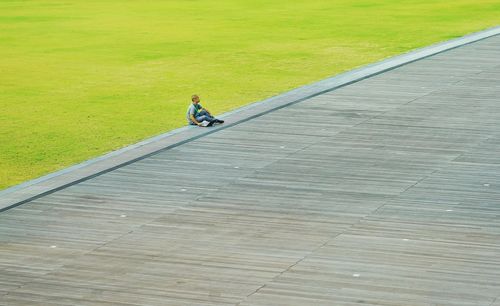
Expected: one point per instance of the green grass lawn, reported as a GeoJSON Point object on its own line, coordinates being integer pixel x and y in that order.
{"type": "Point", "coordinates": [81, 78]}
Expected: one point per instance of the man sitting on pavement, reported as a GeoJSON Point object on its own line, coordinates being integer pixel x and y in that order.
{"type": "Point", "coordinates": [197, 115]}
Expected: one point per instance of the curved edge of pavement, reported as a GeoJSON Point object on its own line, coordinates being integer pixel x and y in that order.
{"type": "Point", "coordinates": [39, 187]}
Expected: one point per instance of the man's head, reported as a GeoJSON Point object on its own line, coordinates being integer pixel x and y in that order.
{"type": "Point", "coordinates": [195, 99]}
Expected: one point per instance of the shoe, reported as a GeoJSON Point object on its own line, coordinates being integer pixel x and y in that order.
{"type": "Point", "coordinates": [219, 121]}
{"type": "Point", "coordinates": [211, 123]}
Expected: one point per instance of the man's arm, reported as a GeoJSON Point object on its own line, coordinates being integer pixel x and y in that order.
{"type": "Point", "coordinates": [202, 108]}
{"type": "Point", "coordinates": [194, 119]}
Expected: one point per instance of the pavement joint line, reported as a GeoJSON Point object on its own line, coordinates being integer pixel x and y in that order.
{"type": "Point", "coordinates": [306, 92]}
